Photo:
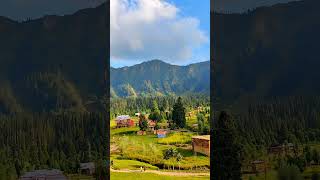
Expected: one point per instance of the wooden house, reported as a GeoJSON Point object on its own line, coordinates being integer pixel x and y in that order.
{"type": "Point", "coordinates": [45, 174]}
{"type": "Point", "coordinates": [201, 144]}
{"type": "Point", "coordinates": [258, 166]}
{"type": "Point", "coordinates": [280, 148]}
{"type": "Point", "coordinates": [151, 125]}
{"type": "Point", "coordinates": [124, 121]}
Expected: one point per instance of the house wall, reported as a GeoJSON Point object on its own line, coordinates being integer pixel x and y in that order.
{"type": "Point", "coordinates": [201, 146]}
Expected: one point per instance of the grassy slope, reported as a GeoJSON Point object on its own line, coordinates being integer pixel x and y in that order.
{"type": "Point", "coordinates": [147, 176]}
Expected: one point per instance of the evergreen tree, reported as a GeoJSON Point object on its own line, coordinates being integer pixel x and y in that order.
{"type": "Point", "coordinates": [283, 134]}
{"type": "Point", "coordinates": [143, 123]}
{"type": "Point", "coordinates": [201, 125]}
{"type": "Point", "coordinates": [226, 160]}
{"type": "Point", "coordinates": [178, 114]}
{"type": "Point", "coordinates": [155, 112]}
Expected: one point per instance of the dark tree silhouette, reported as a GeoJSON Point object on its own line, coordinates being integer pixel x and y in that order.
{"type": "Point", "coordinates": [226, 149]}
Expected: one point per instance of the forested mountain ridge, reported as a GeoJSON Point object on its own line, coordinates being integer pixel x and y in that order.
{"type": "Point", "coordinates": [269, 51]}
{"type": "Point", "coordinates": [156, 77]}
{"type": "Point", "coordinates": [54, 62]}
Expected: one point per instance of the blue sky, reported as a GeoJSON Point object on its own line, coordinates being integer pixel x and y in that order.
{"type": "Point", "coordinates": [194, 18]}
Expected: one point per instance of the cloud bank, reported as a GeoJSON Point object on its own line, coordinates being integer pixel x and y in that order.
{"type": "Point", "coordinates": [152, 29]}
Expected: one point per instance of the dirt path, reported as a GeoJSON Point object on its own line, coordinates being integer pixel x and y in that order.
{"type": "Point", "coordinates": [161, 172]}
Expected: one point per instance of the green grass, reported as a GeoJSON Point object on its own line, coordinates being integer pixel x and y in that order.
{"type": "Point", "coordinates": [147, 150]}
{"type": "Point", "coordinates": [131, 164]}
{"type": "Point", "coordinates": [261, 176]}
{"type": "Point", "coordinates": [124, 131]}
{"type": "Point", "coordinates": [144, 149]}
{"type": "Point", "coordinates": [176, 138]}
{"type": "Point", "coordinates": [148, 176]}
{"type": "Point", "coordinates": [310, 170]}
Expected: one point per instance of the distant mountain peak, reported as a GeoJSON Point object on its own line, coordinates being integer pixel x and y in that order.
{"type": "Point", "coordinates": [156, 77]}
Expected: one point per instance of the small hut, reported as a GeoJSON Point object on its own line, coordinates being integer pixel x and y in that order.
{"type": "Point", "coordinates": [201, 144]}
{"type": "Point", "coordinates": [47, 174]}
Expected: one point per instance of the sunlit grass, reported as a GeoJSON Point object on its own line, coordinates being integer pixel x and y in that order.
{"type": "Point", "coordinates": [176, 138]}
{"type": "Point", "coordinates": [150, 176]}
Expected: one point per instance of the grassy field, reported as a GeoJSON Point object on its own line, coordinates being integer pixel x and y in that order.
{"type": "Point", "coordinates": [131, 164]}
{"type": "Point", "coordinates": [148, 176]}
{"type": "Point", "coordinates": [148, 149]}
{"type": "Point", "coordinates": [176, 138]}
{"type": "Point", "coordinates": [133, 151]}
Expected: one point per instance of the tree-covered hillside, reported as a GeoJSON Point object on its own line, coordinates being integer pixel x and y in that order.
{"type": "Point", "coordinates": [49, 59]}
{"type": "Point", "coordinates": [159, 78]}
{"type": "Point", "coordinates": [269, 51]}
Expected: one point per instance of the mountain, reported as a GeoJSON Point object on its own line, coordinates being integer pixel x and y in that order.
{"type": "Point", "coordinates": [156, 77]}
{"type": "Point", "coordinates": [269, 51]}
{"type": "Point", "coordinates": [54, 62]}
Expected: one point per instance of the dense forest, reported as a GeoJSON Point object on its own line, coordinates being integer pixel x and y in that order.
{"type": "Point", "coordinates": [130, 106]}
{"type": "Point", "coordinates": [53, 84]}
{"type": "Point", "coordinates": [46, 140]}
{"type": "Point", "coordinates": [260, 123]}
{"type": "Point", "coordinates": [294, 119]}
{"type": "Point", "coordinates": [53, 56]}
{"type": "Point", "coordinates": [273, 51]}
{"type": "Point", "coordinates": [264, 76]}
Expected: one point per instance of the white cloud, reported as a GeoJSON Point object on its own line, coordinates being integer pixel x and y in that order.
{"type": "Point", "coordinates": [150, 29]}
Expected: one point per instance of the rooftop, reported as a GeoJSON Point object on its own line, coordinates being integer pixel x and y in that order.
{"type": "Point", "coordinates": [123, 117]}
{"type": "Point", "coordinates": [204, 137]}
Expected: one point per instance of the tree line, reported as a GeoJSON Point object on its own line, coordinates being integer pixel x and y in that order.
{"type": "Point", "coordinates": [47, 140]}
{"type": "Point", "coordinates": [243, 132]}
{"type": "Point", "coordinates": [130, 106]}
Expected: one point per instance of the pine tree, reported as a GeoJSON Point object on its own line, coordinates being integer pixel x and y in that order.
{"type": "Point", "coordinates": [226, 160]}
{"type": "Point", "coordinates": [178, 114]}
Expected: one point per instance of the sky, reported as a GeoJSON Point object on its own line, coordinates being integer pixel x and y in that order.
{"type": "Point", "coordinates": [174, 31]}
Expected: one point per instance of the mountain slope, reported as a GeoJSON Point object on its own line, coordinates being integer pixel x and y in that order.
{"type": "Point", "coordinates": [271, 51]}
{"type": "Point", "coordinates": [159, 78]}
{"type": "Point", "coordinates": [68, 50]}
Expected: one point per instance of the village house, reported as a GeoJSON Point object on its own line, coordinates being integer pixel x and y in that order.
{"type": "Point", "coordinates": [87, 168]}
{"type": "Point", "coordinates": [45, 174]}
{"type": "Point", "coordinates": [258, 166]}
{"type": "Point", "coordinates": [151, 128]}
{"type": "Point", "coordinates": [161, 133]}
{"type": "Point", "coordinates": [124, 121]}
{"type": "Point", "coordinates": [151, 125]}
{"type": "Point", "coordinates": [201, 144]}
{"type": "Point", "coordinates": [281, 148]}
